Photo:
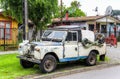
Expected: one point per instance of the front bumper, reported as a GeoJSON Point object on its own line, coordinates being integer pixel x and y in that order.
{"type": "Point", "coordinates": [30, 59]}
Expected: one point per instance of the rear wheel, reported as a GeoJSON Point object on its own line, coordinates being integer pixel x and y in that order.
{"type": "Point", "coordinates": [48, 64]}
{"type": "Point", "coordinates": [26, 64]}
{"type": "Point", "coordinates": [92, 59]}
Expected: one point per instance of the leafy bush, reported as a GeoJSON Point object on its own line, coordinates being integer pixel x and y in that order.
{"type": "Point", "coordinates": [1, 48]}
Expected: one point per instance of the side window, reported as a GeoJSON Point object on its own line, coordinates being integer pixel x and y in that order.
{"type": "Point", "coordinates": [71, 36]}
{"type": "Point", "coordinates": [74, 36]}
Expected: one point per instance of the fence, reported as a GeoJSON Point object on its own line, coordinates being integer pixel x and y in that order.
{"type": "Point", "coordinates": [8, 38]}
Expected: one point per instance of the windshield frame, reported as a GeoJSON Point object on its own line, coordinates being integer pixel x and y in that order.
{"type": "Point", "coordinates": [53, 32]}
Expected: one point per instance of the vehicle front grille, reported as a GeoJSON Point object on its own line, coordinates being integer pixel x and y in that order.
{"type": "Point", "coordinates": [32, 47]}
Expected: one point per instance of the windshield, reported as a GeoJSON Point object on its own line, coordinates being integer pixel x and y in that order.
{"type": "Point", "coordinates": [51, 35]}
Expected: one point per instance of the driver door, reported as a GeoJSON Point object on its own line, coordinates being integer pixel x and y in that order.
{"type": "Point", "coordinates": [71, 45]}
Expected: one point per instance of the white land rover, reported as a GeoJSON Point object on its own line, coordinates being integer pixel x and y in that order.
{"type": "Point", "coordinates": [62, 44]}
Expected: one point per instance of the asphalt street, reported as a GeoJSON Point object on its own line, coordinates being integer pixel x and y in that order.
{"type": "Point", "coordinates": [107, 73]}
{"type": "Point", "coordinates": [113, 53]}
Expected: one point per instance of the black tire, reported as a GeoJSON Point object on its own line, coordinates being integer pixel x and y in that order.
{"type": "Point", "coordinates": [48, 64]}
{"type": "Point", "coordinates": [91, 59]}
{"type": "Point", "coordinates": [102, 57]}
{"type": "Point", "coordinates": [26, 64]}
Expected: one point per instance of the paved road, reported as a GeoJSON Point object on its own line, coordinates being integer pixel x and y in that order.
{"type": "Point", "coordinates": [114, 53]}
{"type": "Point", "coordinates": [108, 73]}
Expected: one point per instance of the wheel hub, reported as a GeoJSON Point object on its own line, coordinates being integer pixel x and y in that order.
{"type": "Point", "coordinates": [49, 65]}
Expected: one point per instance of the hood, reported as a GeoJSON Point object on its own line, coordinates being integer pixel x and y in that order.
{"type": "Point", "coordinates": [46, 43]}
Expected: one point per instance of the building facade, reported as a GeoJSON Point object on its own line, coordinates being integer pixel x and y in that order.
{"type": "Point", "coordinates": [8, 30]}
{"type": "Point", "coordinates": [101, 24]}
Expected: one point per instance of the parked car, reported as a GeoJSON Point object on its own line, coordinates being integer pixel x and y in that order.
{"type": "Point", "coordinates": [61, 44]}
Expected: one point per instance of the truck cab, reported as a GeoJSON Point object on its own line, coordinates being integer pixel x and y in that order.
{"type": "Point", "coordinates": [62, 44]}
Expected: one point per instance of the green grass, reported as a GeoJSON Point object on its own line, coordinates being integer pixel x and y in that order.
{"type": "Point", "coordinates": [107, 59]}
{"type": "Point", "coordinates": [10, 67]}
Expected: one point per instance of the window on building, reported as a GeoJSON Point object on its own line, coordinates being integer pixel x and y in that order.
{"type": "Point", "coordinates": [1, 30]}
{"type": "Point", "coordinates": [5, 30]}
{"type": "Point", "coordinates": [103, 29]}
{"type": "Point", "coordinates": [91, 27]}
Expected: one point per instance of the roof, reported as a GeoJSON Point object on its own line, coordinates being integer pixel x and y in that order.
{"type": "Point", "coordinates": [116, 20]}
{"type": "Point", "coordinates": [87, 18]}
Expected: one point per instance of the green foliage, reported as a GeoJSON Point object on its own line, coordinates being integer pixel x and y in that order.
{"type": "Point", "coordinates": [75, 4]}
{"type": "Point", "coordinates": [12, 8]}
{"type": "Point", "coordinates": [10, 67]}
{"type": "Point", "coordinates": [74, 10]}
{"type": "Point", "coordinates": [58, 12]}
{"type": "Point", "coordinates": [40, 11]}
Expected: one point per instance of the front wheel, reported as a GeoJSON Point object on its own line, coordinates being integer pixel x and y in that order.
{"type": "Point", "coordinates": [26, 64]}
{"type": "Point", "coordinates": [48, 64]}
{"type": "Point", "coordinates": [92, 59]}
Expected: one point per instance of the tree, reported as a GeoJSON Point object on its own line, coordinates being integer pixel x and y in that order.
{"type": "Point", "coordinates": [74, 10]}
{"type": "Point", "coordinates": [40, 11]}
{"type": "Point", "coordinates": [12, 8]}
{"type": "Point", "coordinates": [58, 12]}
{"type": "Point", "coordinates": [75, 4]}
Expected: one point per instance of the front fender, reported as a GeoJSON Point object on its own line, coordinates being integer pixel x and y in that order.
{"type": "Point", "coordinates": [58, 50]}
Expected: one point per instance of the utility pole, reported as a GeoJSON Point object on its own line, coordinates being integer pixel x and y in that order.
{"type": "Point", "coordinates": [61, 13]}
{"type": "Point", "coordinates": [25, 19]}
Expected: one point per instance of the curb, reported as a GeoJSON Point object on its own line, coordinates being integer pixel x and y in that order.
{"type": "Point", "coordinates": [73, 71]}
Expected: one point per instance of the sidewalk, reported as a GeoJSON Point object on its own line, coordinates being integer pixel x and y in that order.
{"type": "Point", "coordinates": [8, 52]}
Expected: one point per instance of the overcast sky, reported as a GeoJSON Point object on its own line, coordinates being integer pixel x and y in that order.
{"type": "Point", "coordinates": [88, 6]}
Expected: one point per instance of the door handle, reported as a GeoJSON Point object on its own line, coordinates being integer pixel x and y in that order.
{"type": "Point", "coordinates": [76, 49]}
